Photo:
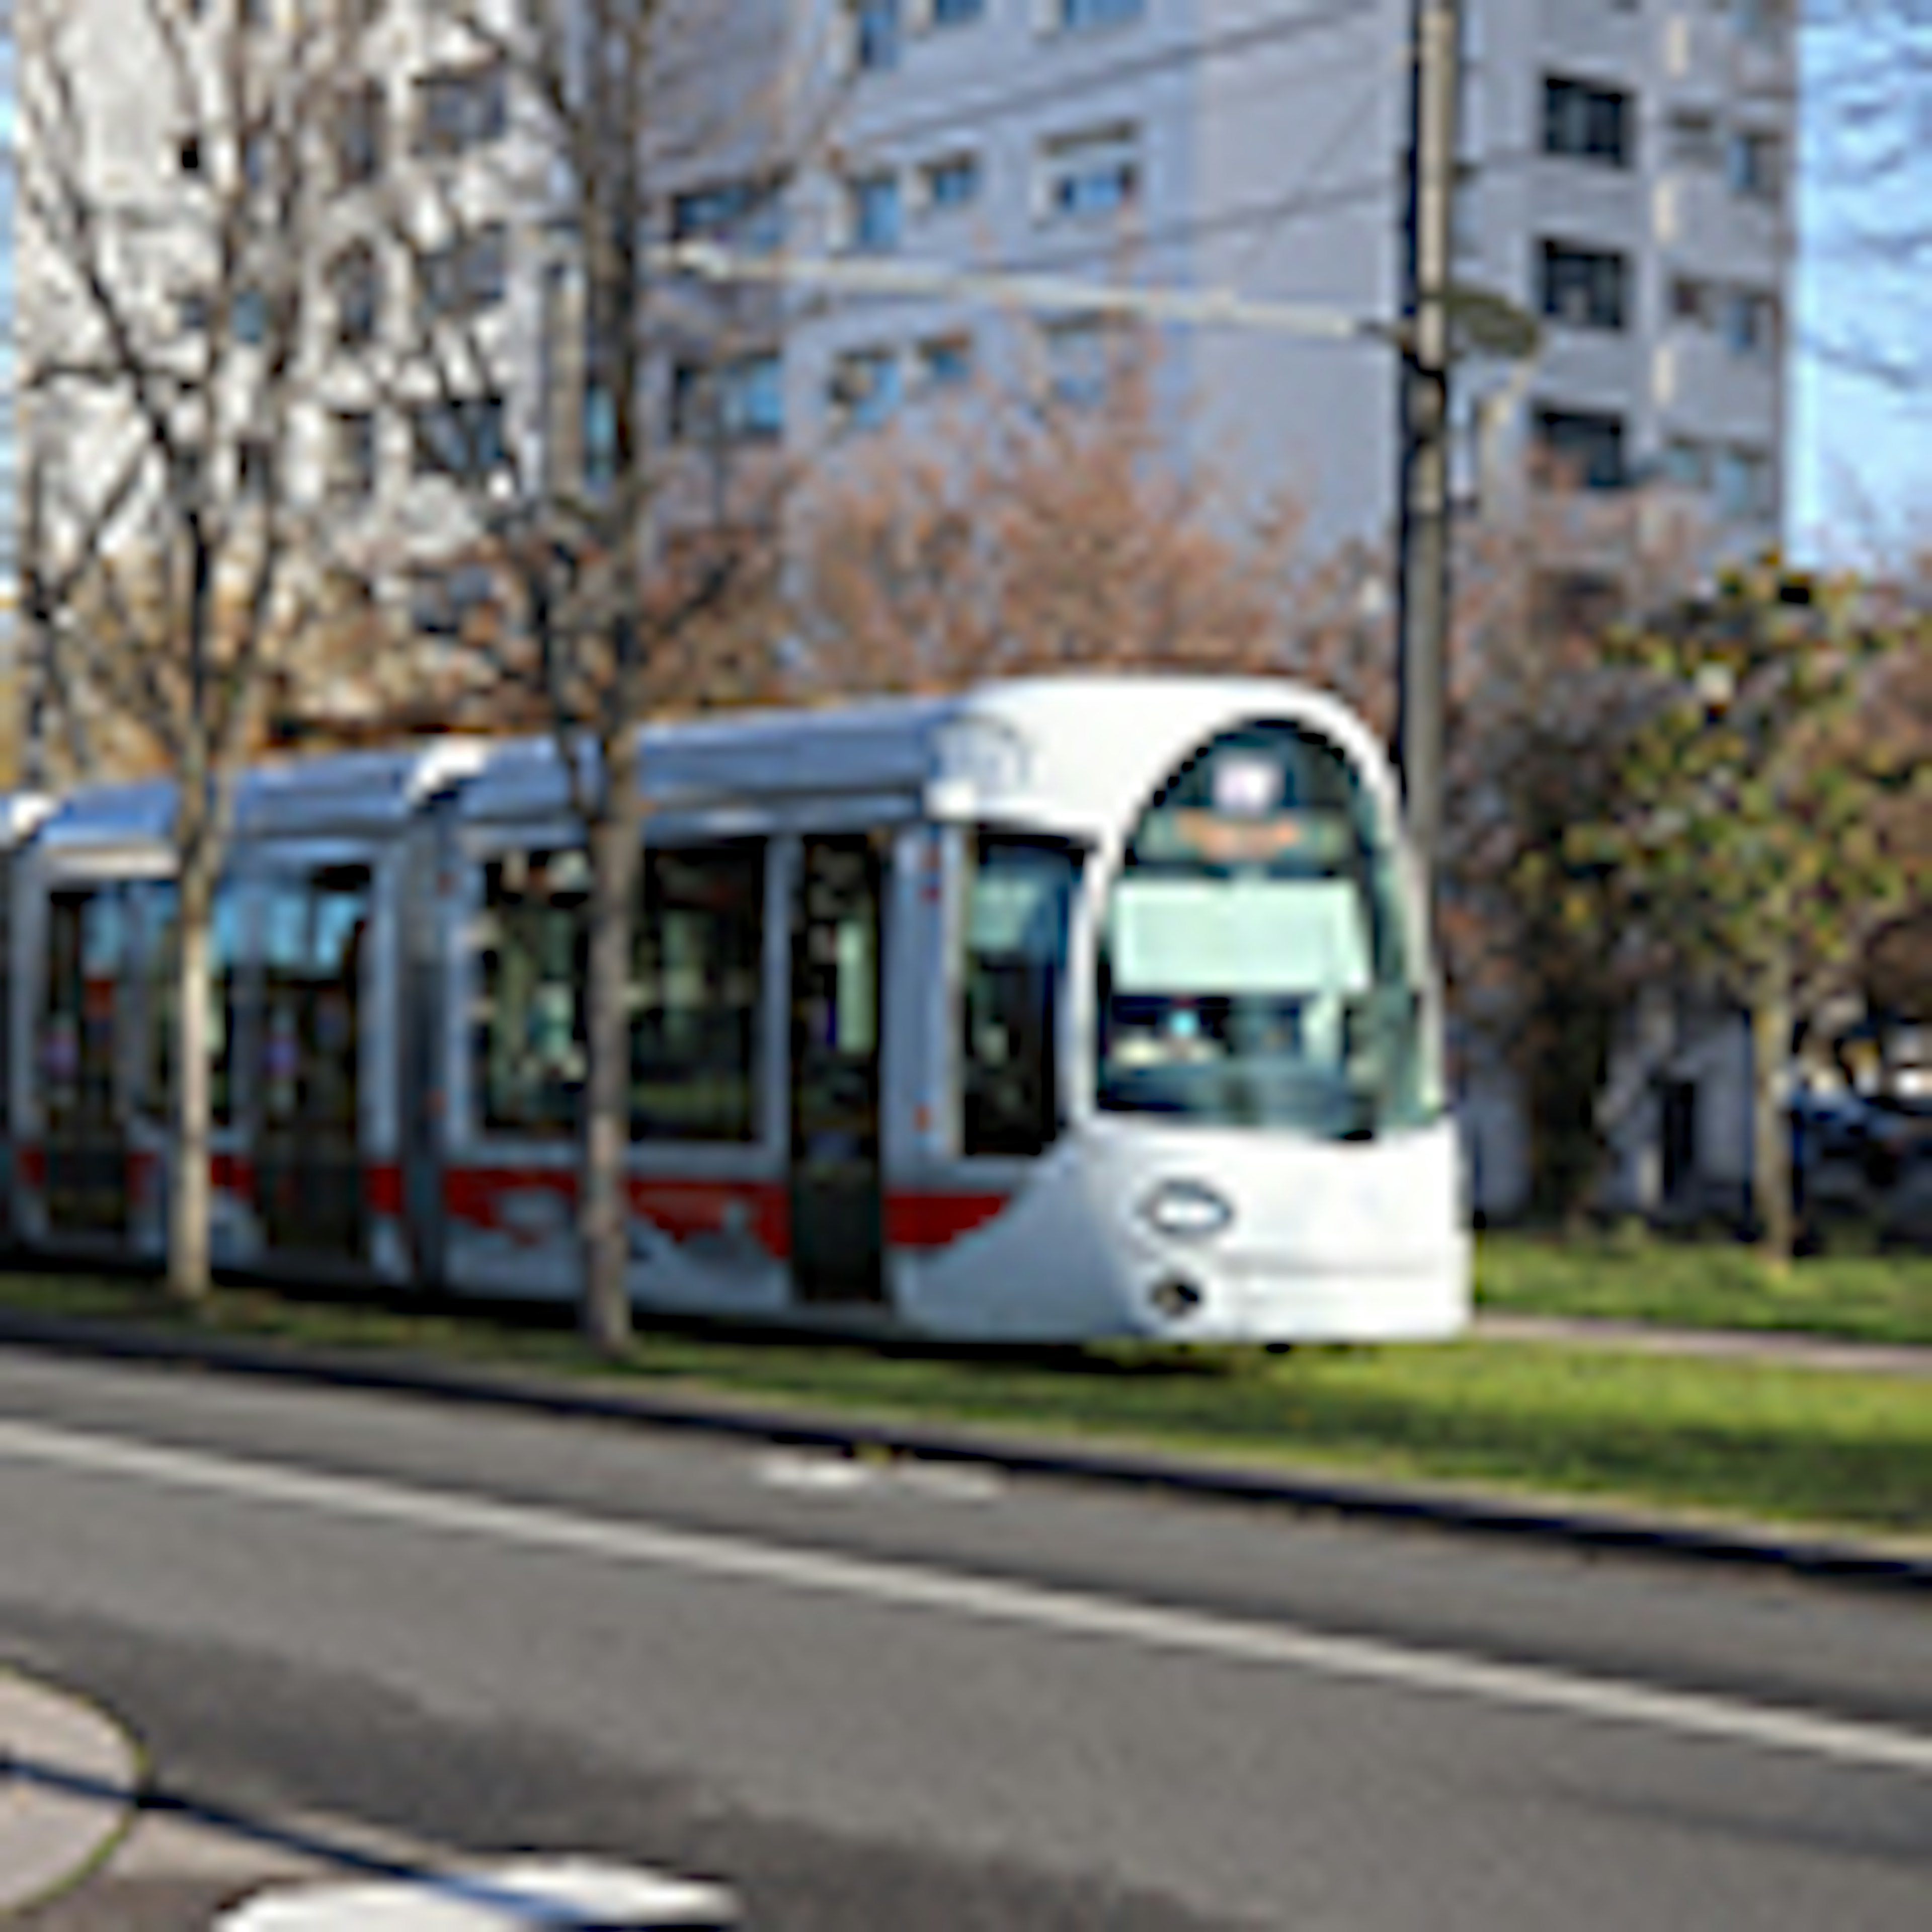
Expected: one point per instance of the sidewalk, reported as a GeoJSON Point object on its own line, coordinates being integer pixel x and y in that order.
{"type": "Point", "coordinates": [1763, 1345]}
{"type": "Point", "coordinates": [68, 1774]}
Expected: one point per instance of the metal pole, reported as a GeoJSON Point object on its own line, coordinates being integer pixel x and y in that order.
{"type": "Point", "coordinates": [1422, 563]}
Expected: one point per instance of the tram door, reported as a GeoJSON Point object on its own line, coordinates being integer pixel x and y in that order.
{"type": "Point", "coordinates": [309, 1179]}
{"type": "Point", "coordinates": [80, 1046]}
{"type": "Point", "coordinates": [837, 1193]}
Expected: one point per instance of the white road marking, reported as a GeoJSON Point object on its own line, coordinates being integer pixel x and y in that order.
{"type": "Point", "coordinates": [925, 1587]}
{"type": "Point", "coordinates": [528, 1893]}
{"type": "Point", "coordinates": [820, 1474]}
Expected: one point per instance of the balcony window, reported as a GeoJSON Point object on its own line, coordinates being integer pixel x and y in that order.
{"type": "Point", "coordinates": [359, 135]}
{"type": "Point", "coordinates": [1089, 175]}
{"type": "Point", "coordinates": [945, 363]}
{"type": "Point", "coordinates": [461, 108]}
{"type": "Point", "coordinates": [1587, 123]}
{"type": "Point", "coordinates": [1749, 324]}
{"type": "Point", "coordinates": [1077, 17]}
{"type": "Point", "coordinates": [1584, 288]}
{"type": "Point", "coordinates": [1583, 447]}
{"type": "Point", "coordinates": [878, 34]}
{"type": "Point", "coordinates": [355, 289]}
{"type": "Point", "coordinates": [1754, 165]}
{"type": "Point", "coordinates": [738, 400]}
{"type": "Point", "coordinates": [864, 389]}
{"type": "Point", "coordinates": [873, 216]}
{"type": "Point", "coordinates": [746, 214]}
{"type": "Point", "coordinates": [352, 456]}
{"type": "Point", "coordinates": [462, 438]}
{"type": "Point", "coordinates": [951, 182]}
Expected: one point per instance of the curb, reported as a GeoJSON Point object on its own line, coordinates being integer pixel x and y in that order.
{"type": "Point", "coordinates": [70, 1789]}
{"type": "Point", "coordinates": [1864, 1565]}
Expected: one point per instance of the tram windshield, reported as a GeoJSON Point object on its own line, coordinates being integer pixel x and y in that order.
{"type": "Point", "coordinates": [1256, 967]}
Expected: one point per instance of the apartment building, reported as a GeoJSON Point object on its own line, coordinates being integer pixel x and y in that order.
{"type": "Point", "coordinates": [1625, 179]}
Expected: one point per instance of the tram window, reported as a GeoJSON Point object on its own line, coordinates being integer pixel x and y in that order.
{"type": "Point", "coordinates": [1255, 967]}
{"type": "Point", "coordinates": [1017, 908]}
{"type": "Point", "coordinates": [699, 967]}
{"type": "Point", "coordinates": [157, 924]}
{"type": "Point", "coordinates": [529, 1041]}
{"type": "Point", "coordinates": [86, 957]}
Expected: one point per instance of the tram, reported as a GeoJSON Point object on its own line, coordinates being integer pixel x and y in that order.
{"type": "Point", "coordinates": [1060, 1009]}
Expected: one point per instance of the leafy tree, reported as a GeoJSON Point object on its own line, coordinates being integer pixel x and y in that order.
{"type": "Point", "coordinates": [1766, 851]}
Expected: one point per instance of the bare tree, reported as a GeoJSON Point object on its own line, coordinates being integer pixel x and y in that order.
{"type": "Point", "coordinates": [168, 200]}
{"type": "Point", "coordinates": [1004, 534]}
{"type": "Point", "coordinates": [629, 545]}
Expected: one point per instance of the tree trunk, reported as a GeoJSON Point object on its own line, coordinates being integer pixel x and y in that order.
{"type": "Point", "coordinates": [188, 1259]}
{"type": "Point", "coordinates": [603, 1231]}
{"type": "Point", "coordinates": [1771, 1151]}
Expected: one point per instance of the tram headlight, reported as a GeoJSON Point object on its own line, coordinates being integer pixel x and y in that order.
{"type": "Point", "coordinates": [1187, 1210]}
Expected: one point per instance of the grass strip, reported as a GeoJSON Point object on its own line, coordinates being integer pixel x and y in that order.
{"type": "Point", "coordinates": [1723, 1440]}
{"type": "Point", "coordinates": [1708, 1284]}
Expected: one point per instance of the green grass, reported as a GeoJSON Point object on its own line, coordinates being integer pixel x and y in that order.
{"type": "Point", "coordinates": [1721, 1439]}
{"type": "Point", "coordinates": [1708, 1284]}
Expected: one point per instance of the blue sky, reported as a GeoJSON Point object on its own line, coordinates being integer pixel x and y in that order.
{"type": "Point", "coordinates": [1861, 447]}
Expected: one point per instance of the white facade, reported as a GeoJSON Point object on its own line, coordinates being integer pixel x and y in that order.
{"type": "Point", "coordinates": [1626, 178]}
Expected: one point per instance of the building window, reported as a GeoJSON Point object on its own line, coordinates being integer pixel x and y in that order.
{"type": "Point", "coordinates": [1762, 20]}
{"type": "Point", "coordinates": [462, 438]}
{"type": "Point", "coordinates": [1080, 356]}
{"type": "Point", "coordinates": [1093, 174]}
{"type": "Point", "coordinates": [1749, 324]}
{"type": "Point", "coordinates": [945, 362]}
{"type": "Point", "coordinates": [1742, 482]}
{"type": "Point", "coordinates": [746, 214]}
{"type": "Point", "coordinates": [740, 400]}
{"type": "Point", "coordinates": [352, 456]}
{"type": "Point", "coordinates": [1075, 17]}
{"type": "Point", "coordinates": [1584, 288]}
{"type": "Point", "coordinates": [952, 181]}
{"type": "Point", "coordinates": [1754, 165]}
{"type": "Point", "coordinates": [466, 276]}
{"type": "Point", "coordinates": [1691, 301]}
{"type": "Point", "coordinates": [956, 12]}
{"type": "Point", "coordinates": [1686, 464]}
{"type": "Point", "coordinates": [865, 388]}
{"type": "Point", "coordinates": [878, 29]}
{"type": "Point", "coordinates": [359, 135]}
{"type": "Point", "coordinates": [1694, 138]}
{"type": "Point", "coordinates": [190, 155]}
{"type": "Point", "coordinates": [460, 108]}
{"type": "Point", "coordinates": [443, 601]}
{"type": "Point", "coordinates": [355, 290]}
{"type": "Point", "coordinates": [191, 312]}
{"type": "Point", "coordinates": [258, 154]}
{"type": "Point", "coordinates": [254, 469]}
{"type": "Point", "coordinates": [873, 214]}
{"type": "Point", "coordinates": [248, 317]}
{"type": "Point", "coordinates": [1587, 123]}
{"type": "Point", "coordinates": [1583, 447]}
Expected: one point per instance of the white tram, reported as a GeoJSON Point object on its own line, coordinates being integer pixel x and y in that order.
{"type": "Point", "coordinates": [1060, 1009]}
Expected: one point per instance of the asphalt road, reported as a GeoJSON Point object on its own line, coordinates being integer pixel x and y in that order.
{"type": "Point", "coordinates": [347, 1627]}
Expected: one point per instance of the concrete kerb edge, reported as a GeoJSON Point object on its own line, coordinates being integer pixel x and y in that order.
{"type": "Point", "coordinates": [103, 1850]}
{"type": "Point", "coordinates": [1862, 1565]}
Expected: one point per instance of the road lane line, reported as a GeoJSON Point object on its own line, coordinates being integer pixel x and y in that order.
{"type": "Point", "coordinates": [926, 1587]}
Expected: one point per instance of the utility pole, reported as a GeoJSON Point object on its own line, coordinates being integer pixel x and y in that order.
{"type": "Point", "coordinates": [1422, 572]}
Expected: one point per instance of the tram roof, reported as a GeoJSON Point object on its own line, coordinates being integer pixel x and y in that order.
{"type": "Point", "coordinates": [347, 792]}
{"type": "Point", "coordinates": [1080, 751]}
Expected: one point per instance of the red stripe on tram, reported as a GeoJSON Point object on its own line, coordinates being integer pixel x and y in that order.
{"type": "Point", "coordinates": [918, 1218]}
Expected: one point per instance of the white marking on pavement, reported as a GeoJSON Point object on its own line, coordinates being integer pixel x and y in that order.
{"type": "Point", "coordinates": [820, 1474]}
{"type": "Point", "coordinates": [918, 1586]}
{"type": "Point", "coordinates": [588, 1895]}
